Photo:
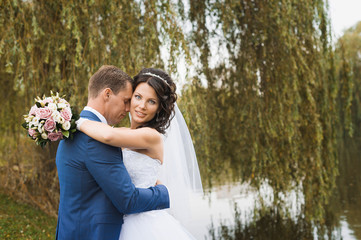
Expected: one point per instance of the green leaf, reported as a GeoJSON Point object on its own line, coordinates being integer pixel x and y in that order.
{"type": "Point", "coordinates": [25, 125]}
{"type": "Point", "coordinates": [65, 133]}
{"type": "Point", "coordinates": [38, 104]}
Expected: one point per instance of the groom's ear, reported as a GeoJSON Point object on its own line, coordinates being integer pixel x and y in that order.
{"type": "Point", "coordinates": [106, 93]}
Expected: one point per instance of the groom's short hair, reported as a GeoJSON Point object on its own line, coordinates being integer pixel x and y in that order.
{"type": "Point", "coordinates": [108, 76]}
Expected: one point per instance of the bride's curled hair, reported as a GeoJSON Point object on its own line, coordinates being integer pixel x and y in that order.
{"type": "Point", "coordinates": [165, 89]}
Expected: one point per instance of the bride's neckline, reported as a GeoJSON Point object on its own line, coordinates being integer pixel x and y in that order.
{"type": "Point", "coordinates": [127, 149]}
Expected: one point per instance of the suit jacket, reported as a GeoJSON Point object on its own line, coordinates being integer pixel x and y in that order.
{"type": "Point", "coordinates": [96, 190]}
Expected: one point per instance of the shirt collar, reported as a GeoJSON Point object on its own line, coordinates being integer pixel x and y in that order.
{"type": "Point", "coordinates": [101, 117]}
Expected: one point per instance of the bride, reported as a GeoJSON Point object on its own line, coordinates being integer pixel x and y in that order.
{"type": "Point", "coordinates": [157, 146]}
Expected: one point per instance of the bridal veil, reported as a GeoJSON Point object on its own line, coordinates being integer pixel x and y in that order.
{"type": "Point", "coordinates": [180, 171]}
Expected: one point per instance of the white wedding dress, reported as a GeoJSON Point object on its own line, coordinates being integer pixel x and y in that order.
{"type": "Point", "coordinates": [152, 225]}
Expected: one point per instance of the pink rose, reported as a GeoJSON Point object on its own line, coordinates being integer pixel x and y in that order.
{"type": "Point", "coordinates": [49, 125]}
{"type": "Point", "coordinates": [43, 113]}
{"type": "Point", "coordinates": [55, 136]}
{"type": "Point", "coordinates": [66, 114]}
{"type": "Point", "coordinates": [33, 110]}
{"type": "Point", "coordinates": [48, 100]}
{"type": "Point", "coordinates": [32, 133]}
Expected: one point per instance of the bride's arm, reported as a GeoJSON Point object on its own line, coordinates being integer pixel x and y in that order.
{"type": "Point", "coordinates": [142, 138]}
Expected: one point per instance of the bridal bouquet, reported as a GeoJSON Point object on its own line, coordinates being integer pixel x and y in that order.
{"type": "Point", "coordinates": [50, 119]}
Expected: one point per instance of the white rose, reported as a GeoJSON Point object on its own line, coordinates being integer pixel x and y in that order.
{"type": "Point", "coordinates": [66, 125]}
{"type": "Point", "coordinates": [61, 120]}
{"type": "Point", "coordinates": [52, 107]}
{"type": "Point", "coordinates": [61, 105]}
{"type": "Point", "coordinates": [35, 121]}
{"type": "Point", "coordinates": [44, 136]}
{"type": "Point", "coordinates": [62, 100]}
{"type": "Point", "coordinates": [56, 116]}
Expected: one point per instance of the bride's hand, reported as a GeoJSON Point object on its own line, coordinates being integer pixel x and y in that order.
{"type": "Point", "coordinates": [79, 122]}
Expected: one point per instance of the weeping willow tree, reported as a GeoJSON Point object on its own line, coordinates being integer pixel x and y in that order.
{"type": "Point", "coordinates": [263, 107]}
{"type": "Point", "coordinates": [58, 45]}
{"type": "Point", "coordinates": [348, 53]}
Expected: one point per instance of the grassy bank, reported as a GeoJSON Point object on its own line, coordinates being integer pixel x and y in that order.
{"type": "Point", "coordinates": [21, 221]}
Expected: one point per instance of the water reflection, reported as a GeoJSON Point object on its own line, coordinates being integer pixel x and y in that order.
{"type": "Point", "coordinates": [348, 193]}
{"type": "Point", "coordinates": [234, 211]}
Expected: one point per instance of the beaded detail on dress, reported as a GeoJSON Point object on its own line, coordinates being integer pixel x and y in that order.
{"type": "Point", "coordinates": [142, 169]}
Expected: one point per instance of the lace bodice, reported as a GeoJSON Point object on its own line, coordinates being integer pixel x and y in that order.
{"type": "Point", "coordinates": [143, 170]}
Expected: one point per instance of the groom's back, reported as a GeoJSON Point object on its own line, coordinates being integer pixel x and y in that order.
{"type": "Point", "coordinates": [84, 209]}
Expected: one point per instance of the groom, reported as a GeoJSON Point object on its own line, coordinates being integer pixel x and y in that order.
{"type": "Point", "coordinates": [95, 188]}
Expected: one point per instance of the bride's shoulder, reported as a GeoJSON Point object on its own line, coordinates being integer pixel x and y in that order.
{"type": "Point", "coordinates": [151, 134]}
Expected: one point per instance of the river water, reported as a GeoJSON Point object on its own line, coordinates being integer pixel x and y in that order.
{"type": "Point", "coordinates": [342, 219]}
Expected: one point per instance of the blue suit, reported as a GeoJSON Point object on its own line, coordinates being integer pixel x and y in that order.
{"type": "Point", "coordinates": [96, 190]}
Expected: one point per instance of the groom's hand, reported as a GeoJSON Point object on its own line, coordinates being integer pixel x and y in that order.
{"type": "Point", "coordinates": [158, 183]}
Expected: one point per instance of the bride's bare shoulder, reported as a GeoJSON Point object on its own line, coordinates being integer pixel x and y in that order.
{"type": "Point", "coordinates": [151, 134]}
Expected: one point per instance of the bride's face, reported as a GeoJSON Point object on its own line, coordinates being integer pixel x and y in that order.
{"type": "Point", "coordinates": [144, 104]}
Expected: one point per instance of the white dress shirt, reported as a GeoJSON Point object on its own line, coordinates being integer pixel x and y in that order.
{"type": "Point", "coordinates": [101, 117]}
